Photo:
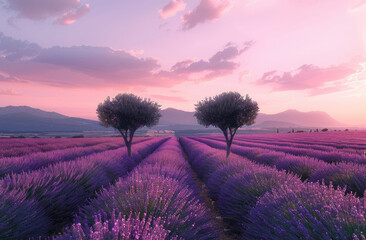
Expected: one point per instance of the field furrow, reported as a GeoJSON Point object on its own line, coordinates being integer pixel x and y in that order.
{"type": "Point", "coordinates": [160, 192]}
{"type": "Point", "coordinates": [330, 157]}
{"type": "Point", "coordinates": [338, 140]}
{"type": "Point", "coordinates": [279, 142]}
{"type": "Point", "coordinates": [43, 201]}
{"type": "Point", "coordinates": [260, 202]}
{"type": "Point", "coordinates": [20, 147]}
{"type": "Point", "coordinates": [43, 159]}
{"type": "Point", "coordinates": [346, 175]}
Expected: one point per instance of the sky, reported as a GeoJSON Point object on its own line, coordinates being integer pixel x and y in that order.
{"type": "Point", "coordinates": [70, 55]}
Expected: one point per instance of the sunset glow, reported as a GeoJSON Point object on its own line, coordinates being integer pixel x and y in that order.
{"type": "Point", "coordinates": [69, 55]}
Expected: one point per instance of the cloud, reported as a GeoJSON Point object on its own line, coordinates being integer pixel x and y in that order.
{"type": "Point", "coordinates": [207, 10]}
{"type": "Point", "coordinates": [136, 52]}
{"type": "Point", "coordinates": [82, 66]}
{"type": "Point", "coordinates": [73, 15]}
{"type": "Point", "coordinates": [328, 90]}
{"type": "Point", "coordinates": [310, 77]}
{"type": "Point", "coordinates": [62, 10]}
{"type": "Point", "coordinates": [4, 78]}
{"type": "Point", "coordinates": [95, 67]}
{"type": "Point", "coordinates": [98, 61]}
{"type": "Point", "coordinates": [170, 98]}
{"type": "Point", "coordinates": [357, 5]}
{"type": "Point", "coordinates": [220, 64]}
{"type": "Point", "coordinates": [172, 8]}
{"type": "Point", "coordinates": [12, 49]}
{"type": "Point", "coordinates": [9, 92]}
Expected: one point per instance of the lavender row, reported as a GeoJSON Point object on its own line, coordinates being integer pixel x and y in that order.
{"type": "Point", "coordinates": [346, 175]}
{"type": "Point", "coordinates": [160, 192]}
{"type": "Point", "coordinates": [354, 139]}
{"type": "Point", "coordinates": [120, 227]}
{"type": "Point", "coordinates": [42, 159]}
{"type": "Point", "coordinates": [259, 202]}
{"type": "Point", "coordinates": [233, 200]}
{"type": "Point", "coordinates": [278, 142]}
{"type": "Point", "coordinates": [43, 201]}
{"type": "Point", "coordinates": [307, 211]}
{"type": "Point", "coordinates": [19, 147]}
{"type": "Point", "coordinates": [334, 156]}
{"type": "Point", "coordinates": [330, 157]}
{"type": "Point", "coordinates": [308, 145]}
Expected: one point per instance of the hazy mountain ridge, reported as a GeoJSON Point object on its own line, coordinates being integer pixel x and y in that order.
{"type": "Point", "coordinates": [27, 119]}
{"type": "Point", "coordinates": [171, 116]}
{"type": "Point", "coordinates": [276, 124]}
{"type": "Point", "coordinates": [30, 110]}
{"type": "Point", "coordinates": [24, 118]}
{"type": "Point", "coordinates": [302, 119]}
{"type": "Point", "coordinates": [287, 119]}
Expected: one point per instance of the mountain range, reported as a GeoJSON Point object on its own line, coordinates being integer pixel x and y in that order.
{"type": "Point", "coordinates": [287, 119]}
{"type": "Point", "coordinates": [27, 119]}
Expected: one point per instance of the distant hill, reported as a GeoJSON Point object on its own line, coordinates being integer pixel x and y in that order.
{"type": "Point", "coordinates": [276, 124]}
{"type": "Point", "coordinates": [171, 116]}
{"type": "Point", "coordinates": [27, 119]}
{"type": "Point", "coordinates": [29, 110]}
{"type": "Point", "coordinates": [286, 119]}
{"type": "Point", "coordinates": [302, 119]}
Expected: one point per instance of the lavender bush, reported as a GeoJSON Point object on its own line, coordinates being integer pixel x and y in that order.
{"type": "Point", "coordinates": [61, 188]}
{"type": "Point", "coordinates": [306, 211]}
{"type": "Point", "coordinates": [21, 217]}
{"type": "Point", "coordinates": [119, 228]}
{"type": "Point", "coordinates": [263, 203]}
{"type": "Point", "coordinates": [241, 192]}
{"type": "Point", "coordinates": [19, 147]}
{"type": "Point", "coordinates": [160, 188]}
{"type": "Point", "coordinates": [342, 174]}
{"type": "Point", "coordinates": [350, 176]}
{"type": "Point", "coordinates": [330, 157]}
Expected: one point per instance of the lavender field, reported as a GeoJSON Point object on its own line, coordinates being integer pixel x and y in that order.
{"type": "Point", "coordinates": [272, 186]}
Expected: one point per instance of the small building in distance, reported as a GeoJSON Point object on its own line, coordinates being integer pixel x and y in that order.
{"type": "Point", "coordinates": [160, 133]}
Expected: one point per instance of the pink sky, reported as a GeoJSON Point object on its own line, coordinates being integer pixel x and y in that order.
{"type": "Point", "coordinates": [69, 55]}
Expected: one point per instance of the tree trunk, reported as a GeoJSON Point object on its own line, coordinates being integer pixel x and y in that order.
{"type": "Point", "coordinates": [228, 149]}
{"type": "Point", "coordinates": [128, 145]}
{"type": "Point", "coordinates": [229, 141]}
{"type": "Point", "coordinates": [228, 145]}
{"type": "Point", "coordinates": [132, 132]}
{"type": "Point", "coordinates": [127, 136]}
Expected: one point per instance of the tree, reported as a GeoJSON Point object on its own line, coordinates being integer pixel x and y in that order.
{"type": "Point", "coordinates": [127, 113]}
{"type": "Point", "coordinates": [228, 112]}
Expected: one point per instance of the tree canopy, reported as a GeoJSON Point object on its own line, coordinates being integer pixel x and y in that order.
{"type": "Point", "coordinates": [227, 111]}
{"type": "Point", "coordinates": [127, 113]}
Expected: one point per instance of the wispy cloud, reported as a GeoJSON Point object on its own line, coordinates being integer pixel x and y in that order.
{"type": "Point", "coordinates": [207, 10]}
{"type": "Point", "coordinates": [328, 90]}
{"type": "Point", "coordinates": [73, 15]}
{"type": "Point", "coordinates": [11, 49]}
{"type": "Point", "coordinates": [318, 80]}
{"type": "Point", "coordinates": [357, 5]}
{"type": "Point", "coordinates": [172, 8]}
{"type": "Point", "coordinates": [4, 78]}
{"type": "Point", "coordinates": [220, 64]}
{"type": "Point", "coordinates": [169, 98]}
{"type": "Point", "coordinates": [64, 11]}
{"type": "Point", "coordinates": [88, 66]}
{"type": "Point", "coordinates": [9, 92]}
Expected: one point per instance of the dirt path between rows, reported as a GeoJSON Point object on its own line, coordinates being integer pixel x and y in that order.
{"type": "Point", "coordinates": [224, 232]}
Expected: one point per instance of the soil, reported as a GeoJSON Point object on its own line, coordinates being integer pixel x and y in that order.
{"type": "Point", "coordinates": [223, 230]}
